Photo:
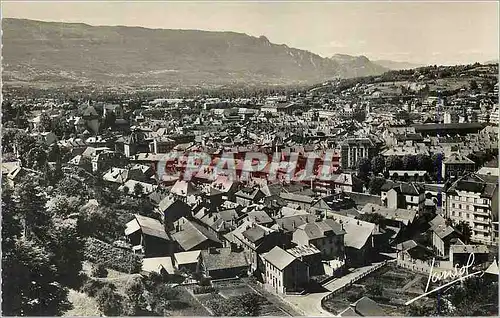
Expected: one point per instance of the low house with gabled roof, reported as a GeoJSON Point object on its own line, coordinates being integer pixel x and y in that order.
{"type": "Point", "coordinates": [220, 263]}
{"type": "Point", "coordinates": [186, 261]}
{"type": "Point", "coordinates": [148, 236]}
{"type": "Point", "coordinates": [190, 236]}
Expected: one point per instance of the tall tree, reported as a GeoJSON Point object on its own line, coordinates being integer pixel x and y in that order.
{"type": "Point", "coordinates": [424, 162]}
{"type": "Point", "coordinates": [363, 167]}
{"type": "Point", "coordinates": [393, 163]}
{"type": "Point", "coordinates": [378, 164]}
{"type": "Point", "coordinates": [409, 162]}
{"type": "Point", "coordinates": [31, 206]}
{"type": "Point", "coordinates": [375, 185]}
{"type": "Point", "coordinates": [45, 123]}
{"type": "Point", "coordinates": [29, 286]}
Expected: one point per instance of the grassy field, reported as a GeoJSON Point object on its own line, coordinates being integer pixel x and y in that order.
{"type": "Point", "coordinates": [83, 305]}
{"type": "Point", "coordinates": [397, 286]}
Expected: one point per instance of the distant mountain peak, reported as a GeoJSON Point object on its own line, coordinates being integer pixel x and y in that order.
{"type": "Point", "coordinates": [36, 51]}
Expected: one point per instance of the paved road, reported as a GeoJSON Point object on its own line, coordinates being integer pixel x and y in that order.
{"type": "Point", "coordinates": [310, 305]}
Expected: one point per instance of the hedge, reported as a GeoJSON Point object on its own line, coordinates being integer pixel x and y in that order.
{"type": "Point", "coordinates": [204, 290]}
{"type": "Point", "coordinates": [97, 251]}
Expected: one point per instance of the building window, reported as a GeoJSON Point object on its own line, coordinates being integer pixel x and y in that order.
{"type": "Point", "coordinates": [459, 214]}
{"type": "Point", "coordinates": [460, 206]}
{"type": "Point", "coordinates": [453, 213]}
{"type": "Point", "coordinates": [453, 205]}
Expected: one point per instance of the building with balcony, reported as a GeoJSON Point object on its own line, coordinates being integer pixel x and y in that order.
{"type": "Point", "coordinates": [474, 199]}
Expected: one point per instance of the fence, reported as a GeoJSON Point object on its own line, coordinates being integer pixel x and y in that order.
{"type": "Point", "coordinates": [420, 266]}
{"type": "Point", "coordinates": [349, 284]}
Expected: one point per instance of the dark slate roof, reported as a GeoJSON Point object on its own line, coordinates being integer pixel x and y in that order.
{"type": "Point", "coordinates": [147, 225]}
{"type": "Point", "coordinates": [403, 187]}
{"type": "Point", "coordinates": [367, 307]}
{"type": "Point", "coordinates": [279, 257]}
{"type": "Point", "coordinates": [192, 234]}
{"type": "Point", "coordinates": [320, 229]}
{"type": "Point", "coordinates": [223, 258]}
{"type": "Point", "coordinates": [254, 233]}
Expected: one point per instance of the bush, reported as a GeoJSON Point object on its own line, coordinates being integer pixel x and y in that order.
{"type": "Point", "coordinates": [109, 302]}
{"type": "Point", "coordinates": [91, 287]}
{"type": "Point", "coordinates": [112, 257]}
{"type": "Point", "coordinates": [375, 289]}
{"type": "Point", "coordinates": [353, 296]}
{"type": "Point", "coordinates": [204, 290]}
{"type": "Point", "coordinates": [204, 281]}
{"type": "Point", "coordinates": [99, 270]}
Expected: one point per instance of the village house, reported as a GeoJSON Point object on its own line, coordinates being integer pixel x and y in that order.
{"type": "Point", "coordinates": [256, 239]}
{"type": "Point", "coordinates": [284, 272]}
{"type": "Point", "coordinates": [358, 239]}
{"type": "Point", "coordinates": [442, 236]}
{"type": "Point", "coordinates": [403, 195]}
{"type": "Point", "coordinates": [191, 236]}
{"type": "Point", "coordinates": [460, 253]}
{"type": "Point", "coordinates": [326, 235]}
{"type": "Point", "coordinates": [311, 256]}
{"type": "Point", "coordinates": [303, 201]}
{"type": "Point", "coordinates": [148, 236]}
{"type": "Point", "coordinates": [160, 265]}
{"type": "Point", "coordinates": [186, 261]}
{"type": "Point", "coordinates": [172, 209]}
{"type": "Point", "coordinates": [226, 262]}
{"type": "Point", "coordinates": [347, 182]}
{"type": "Point", "coordinates": [247, 196]}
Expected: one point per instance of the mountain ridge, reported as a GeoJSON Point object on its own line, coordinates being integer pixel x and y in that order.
{"type": "Point", "coordinates": [39, 51]}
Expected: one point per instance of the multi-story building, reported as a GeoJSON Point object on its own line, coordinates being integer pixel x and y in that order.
{"type": "Point", "coordinates": [284, 272]}
{"type": "Point", "coordinates": [355, 148]}
{"type": "Point", "coordinates": [474, 199]}
{"type": "Point", "coordinates": [326, 235]}
{"type": "Point", "coordinates": [456, 165]}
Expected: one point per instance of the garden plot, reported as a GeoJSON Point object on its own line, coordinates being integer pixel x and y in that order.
{"type": "Point", "coordinates": [233, 288]}
{"type": "Point", "coordinates": [390, 287]}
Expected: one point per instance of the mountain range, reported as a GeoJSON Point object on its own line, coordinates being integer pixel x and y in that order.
{"type": "Point", "coordinates": [397, 65]}
{"type": "Point", "coordinates": [76, 53]}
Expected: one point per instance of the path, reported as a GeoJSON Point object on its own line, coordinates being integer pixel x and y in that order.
{"type": "Point", "coordinates": [310, 305]}
{"type": "Point", "coordinates": [413, 281]}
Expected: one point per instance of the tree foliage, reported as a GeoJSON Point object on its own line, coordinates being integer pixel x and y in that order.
{"type": "Point", "coordinates": [363, 167]}
{"type": "Point", "coordinates": [393, 163]}
{"type": "Point", "coordinates": [109, 301]}
{"type": "Point", "coordinates": [375, 185]}
{"type": "Point", "coordinates": [378, 164]}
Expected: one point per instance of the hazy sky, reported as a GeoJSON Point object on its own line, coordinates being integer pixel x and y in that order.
{"type": "Point", "coordinates": [425, 32]}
